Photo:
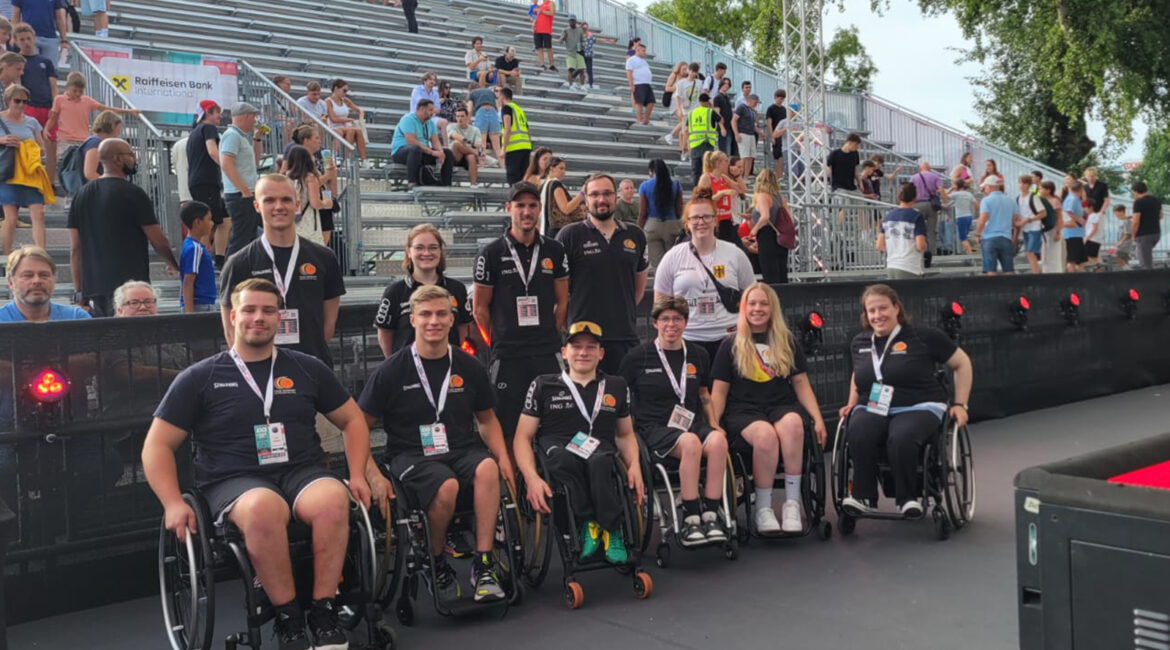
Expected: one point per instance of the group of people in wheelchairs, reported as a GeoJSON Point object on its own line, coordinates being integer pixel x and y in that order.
{"type": "Point", "coordinates": [698, 444]}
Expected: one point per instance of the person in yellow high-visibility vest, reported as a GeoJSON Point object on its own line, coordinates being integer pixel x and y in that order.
{"type": "Point", "coordinates": [514, 138]}
{"type": "Point", "coordinates": [701, 134]}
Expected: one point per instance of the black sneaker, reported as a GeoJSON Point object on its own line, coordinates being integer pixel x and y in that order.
{"type": "Point", "coordinates": [713, 527]}
{"type": "Point", "coordinates": [290, 632]}
{"type": "Point", "coordinates": [691, 532]}
{"type": "Point", "coordinates": [484, 580]}
{"type": "Point", "coordinates": [552, 68]}
{"type": "Point", "coordinates": [444, 583]}
{"type": "Point", "coordinates": [327, 633]}
{"type": "Point", "coordinates": [457, 546]}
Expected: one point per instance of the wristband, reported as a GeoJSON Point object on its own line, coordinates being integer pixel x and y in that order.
{"type": "Point", "coordinates": [962, 404]}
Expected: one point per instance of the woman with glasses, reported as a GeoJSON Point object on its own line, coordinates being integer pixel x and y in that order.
{"type": "Point", "coordinates": [424, 263]}
{"type": "Point", "coordinates": [19, 129]}
{"type": "Point", "coordinates": [708, 273]}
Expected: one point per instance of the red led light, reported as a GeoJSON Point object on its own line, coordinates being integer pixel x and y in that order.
{"type": "Point", "coordinates": [467, 347]}
{"type": "Point", "coordinates": [1024, 304]}
{"type": "Point", "coordinates": [815, 320]}
{"type": "Point", "coordinates": [1133, 295]}
{"type": "Point", "coordinates": [1074, 300]}
{"type": "Point", "coordinates": [49, 386]}
{"type": "Point", "coordinates": [956, 309]}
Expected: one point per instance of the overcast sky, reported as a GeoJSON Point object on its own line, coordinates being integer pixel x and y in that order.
{"type": "Point", "coordinates": [907, 48]}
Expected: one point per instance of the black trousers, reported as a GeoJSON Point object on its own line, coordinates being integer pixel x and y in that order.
{"type": "Point", "coordinates": [589, 69]}
{"type": "Point", "coordinates": [898, 438]}
{"type": "Point", "coordinates": [413, 157]}
{"type": "Point", "coordinates": [725, 230]}
{"type": "Point", "coordinates": [515, 164]}
{"type": "Point", "coordinates": [590, 484]}
{"type": "Point", "coordinates": [245, 221]}
{"type": "Point", "coordinates": [512, 376]}
{"type": "Point", "coordinates": [408, 8]}
{"type": "Point", "coordinates": [697, 161]}
{"type": "Point", "coordinates": [773, 257]}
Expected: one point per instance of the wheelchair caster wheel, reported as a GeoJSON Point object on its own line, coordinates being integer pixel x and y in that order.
{"type": "Point", "coordinates": [643, 585]}
{"type": "Point", "coordinates": [731, 551]}
{"type": "Point", "coordinates": [662, 556]}
{"type": "Point", "coordinates": [846, 524]}
{"type": "Point", "coordinates": [574, 595]}
{"type": "Point", "coordinates": [405, 612]}
{"type": "Point", "coordinates": [942, 525]}
{"type": "Point", "coordinates": [824, 530]}
{"type": "Point", "coordinates": [384, 638]}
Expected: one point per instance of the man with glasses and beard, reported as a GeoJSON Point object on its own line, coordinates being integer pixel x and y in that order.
{"type": "Point", "coordinates": [607, 270]}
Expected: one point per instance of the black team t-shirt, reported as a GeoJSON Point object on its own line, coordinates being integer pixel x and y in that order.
{"type": "Point", "coordinates": [213, 403]}
{"type": "Point", "coordinates": [601, 276]}
{"type": "Point", "coordinates": [550, 400]}
{"type": "Point", "coordinates": [909, 366]}
{"type": "Point", "coordinates": [760, 390]}
{"type": "Point", "coordinates": [843, 167]}
{"type": "Point", "coordinates": [316, 278]}
{"type": "Point", "coordinates": [201, 169]}
{"type": "Point", "coordinates": [651, 394]}
{"type": "Point", "coordinates": [395, 395]}
{"type": "Point", "coordinates": [394, 310]}
{"type": "Point", "coordinates": [1150, 209]}
{"type": "Point", "coordinates": [109, 214]}
{"type": "Point", "coordinates": [775, 114]}
{"type": "Point", "coordinates": [495, 268]}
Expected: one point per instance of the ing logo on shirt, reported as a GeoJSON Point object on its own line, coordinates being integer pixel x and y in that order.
{"type": "Point", "coordinates": [719, 271]}
{"type": "Point", "coordinates": [308, 269]}
{"type": "Point", "coordinates": [629, 244]}
{"type": "Point", "coordinates": [609, 400]}
{"type": "Point", "coordinates": [900, 346]}
{"type": "Point", "coordinates": [546, 264]}
{"type": "Point", "coordinates": [283, 383]}
{"type": "Point", "coordinates": [454, 303]}
{"type": "Point", "coordinates": [456, 380]}
{"type": "Point", "coordinates": [691, 369]}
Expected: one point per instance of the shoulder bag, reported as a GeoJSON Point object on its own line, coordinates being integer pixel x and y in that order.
{"type": "Point", "coordinates": [728, 296]}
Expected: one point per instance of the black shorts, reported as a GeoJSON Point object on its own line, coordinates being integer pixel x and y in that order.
{"type": "Point", "coordinates": [736, 421]}
{"type": "Point", "coordinates": [778, 149]}
{"type": "Point", "coordinates": [1092, 249]}
{"type": "Point", "coordinates": [326, 219]}
{"type": "Point", "coordinates": [1075, 250]}
{"type": "Point", "coordinates": [667, 95]}
{"type": "Point", "coordinates": [662, 440]}
{"type": "Point", "coordinates": [542, 41]}
{"type": "Point", "coordinates": [212, 195]}
{"type": "Point", "coordinates": [421, 476]}
{"type": "Point", "coordinates": [643, 94]}
{"type": "Point", "coordinates": [289, 484]}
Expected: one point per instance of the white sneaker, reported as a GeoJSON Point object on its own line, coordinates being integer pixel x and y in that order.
{"type": "Point", "coordinates": [855, 506]}
{"type": "Point", "coordinates": [473, 185]}
{"type": "Point", "coordinates": [912, 508]}
{"type": "Point", "coordinates": [668, 139]}
{"type": "Point", "coordinates": [684, 157]}
{"type": "Point", "coordinates": [790, 513]}
{"type": "Point", "coordinates": [766, 521]}
{"type": "Point", "coordinates": [489, 161]}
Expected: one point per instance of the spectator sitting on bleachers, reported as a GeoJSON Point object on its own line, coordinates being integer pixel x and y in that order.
{"type": "Point", "coordinates": [448, 102]}
{"type": "Point", "coordinates": [482, 103]}
{"type": "Point", "coordinates": [312, 102]}
{"type": "Point", "coordinates": [466, 144]}
{"type": "Point", "coordinates": [286, 118]}
{"type": "Point", "coordinates": [32, 276]}
{"type": "Point", "coordinates": [626, 209]}
{"type": "Point", "coordinates": [429, 89]}
{"type": "Point", "coordinates": [508, 70]}
{"type": "Point", "coordinates": [416, 143]}
{"type": "Point", "coordinates": [558, 209]}
{"type": "Point", "coordinates": [479, 68]}
{"type": "Point", "coordinates": [538, 165]}
{"type": "Point", "coordinates": [345, 116]}
{"type": "Point", "coordinates": [313, 195]}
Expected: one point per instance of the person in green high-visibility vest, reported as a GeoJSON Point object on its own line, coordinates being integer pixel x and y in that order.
{"type": "Point", "coordinates": [701, 125]}
{"type": "Point", "coordinates": [515, 139]}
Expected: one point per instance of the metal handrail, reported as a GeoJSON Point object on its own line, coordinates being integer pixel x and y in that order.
{"type": "Point", "coordinates": [75, 50]}
{"type": "Point", "coordinates": [292, 103]}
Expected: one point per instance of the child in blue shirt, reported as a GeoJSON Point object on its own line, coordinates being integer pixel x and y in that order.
{"type": "Point", "coordinates": [196, 271]}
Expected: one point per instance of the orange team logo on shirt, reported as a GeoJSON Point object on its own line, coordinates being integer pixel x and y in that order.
{"type": "Point", "coordinates": [456, 381]}
{"type": "Point", "coordinates": [546, 264]}
{"type": "Point", "coordinates": [900, 346]}
{"type": "Point", "coordinates": [609, 400]}
{"type": "Point", "coordinates": [629, 243]}
{"type": "Point", "coordinates": [454, 303]}
{"type": "Point", "coordinates": [691, 369]}
{"type": "Point", "coordinates": [283, 383]}
{"type": "Point", "coordinates": [308, 269]}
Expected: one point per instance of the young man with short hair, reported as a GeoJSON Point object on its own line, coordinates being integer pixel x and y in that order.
{"type": "Point", "coordinates": [442, 437]}
{"type": "Point", "coordinates": [466, 144]}
{"type": "Point", "coordinates": [843, 162]}
{"type": "Point", "coordinates": [902, 237]}
{"type": "Point", "coordinates": [1146, 227]}
{"type": "Point", "coordinates": [776, 114]}
{"type": "Point", "coordinates": [514, 137]}
{"type": "Point", "coordinates": [40, 78]}
{"type": "Point", "coordinates": [312, 102]}
{"type": "Point", "coordinates": [1074, 228]}
{"type": "Point", "coordinates": [1032, 212]}
{"type": "Point", "coordinates": [744, 128]}
{"type": "Point", "coordinates": [479, 68]}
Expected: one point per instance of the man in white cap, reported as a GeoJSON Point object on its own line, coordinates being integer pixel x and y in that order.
{"type": "Point", "coordinates": [239, 151]}
{"type": "Point", "coordinates": [997, 215]}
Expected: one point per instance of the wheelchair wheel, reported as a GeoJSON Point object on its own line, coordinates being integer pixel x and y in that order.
{"type": "Point", "coordinates": [391, 552]}
{"type": "Point", "coordinates": [959, 490]}
{"type": "Point", "coordinates": [187, 584]}
{"type": "Point", "coordinates": [574, 595]}
{"type": "Point", "coordinates": [643, 585]}
{"type": "Point", "coordinates": [814, 487]}
{"type": "Point", "coordinates": [361, 570]}
{"type": "Point", "coordinates": [509, 552]}
{"type": "Point", "coordinates": [537, 543]}
{"type": "Point", "coordinates": [846, 523]}
{"type": "Point", "coordinates": [840, 482]}
{"type": "Point", "coordinates": [662, 555]}
{"type": "Point", "coordinates": [942, 524]}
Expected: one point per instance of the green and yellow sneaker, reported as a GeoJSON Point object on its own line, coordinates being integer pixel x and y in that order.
{"type": "Point", "coordinates": [615, 548]}
{"type": "Point", "coordinates": [590, 539]}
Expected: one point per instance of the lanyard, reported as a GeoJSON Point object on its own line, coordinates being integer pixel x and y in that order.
{"type": "Point", "coordinates": [581, 404]}
{"type": "Point", "coordinates": [426, 384]}
{"type": "Point", "coordinates": [877, 361]}
{"type": "Point", "coordinates": [679, 385]}
{"type": "Point", "coordinates": [519, 267]}
{"type": "Point", "coordinates": [266, 396]}
{"type": "Point", "coordinates": [282, 282]}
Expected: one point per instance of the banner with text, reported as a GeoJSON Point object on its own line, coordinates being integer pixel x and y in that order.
{"type": "Point", "coordinates": [175, 85]}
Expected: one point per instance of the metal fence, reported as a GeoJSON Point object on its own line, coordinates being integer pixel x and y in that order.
{"type": "Point", "coordinates": [148, 141]}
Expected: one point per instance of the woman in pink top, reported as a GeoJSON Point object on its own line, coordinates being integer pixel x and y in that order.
{"type": "Point", "coordinates": [70, 113]}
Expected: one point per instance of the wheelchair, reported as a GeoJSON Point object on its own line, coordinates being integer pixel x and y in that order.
{"type": "Point", "coordinates": [662, 490]}
{"type": "Point", "coordinates": [948, 480]}
{"type": "Point", "coordinates": [540, 529]}
{"type": "Point", "coordinates": [812, 489]}
{"type": "Point", "coordinates": [406, 543]}
{"type": "Point", "coordinates": [188, 572]}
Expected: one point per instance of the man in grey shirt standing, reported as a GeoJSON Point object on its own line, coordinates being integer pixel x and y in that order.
{"type": "Point", "coordinates": [574, 54]}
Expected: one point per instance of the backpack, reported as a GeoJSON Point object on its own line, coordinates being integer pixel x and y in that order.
{"type": "Point", "coordinates": [70, 169]}
{"type": "Point", "coordinates": [1049, 220]}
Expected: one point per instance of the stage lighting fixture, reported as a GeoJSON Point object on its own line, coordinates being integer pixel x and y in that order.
{"type": "Point", "coordinates": [1129, 303]}
{"type": "Point", "coordinates": [49, 386]}
{"type": "Point", "coordinates": [1070, 308]}
{"type": "Point", "coordinates": [812, 332]}
{"type": "Point", "coordinates": [1019, 312]}
{"type": "Point", "coordinates": [952, 319]}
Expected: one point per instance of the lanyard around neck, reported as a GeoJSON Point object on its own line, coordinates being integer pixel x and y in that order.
{"type": "Point", "coordinates": [426, 384]}
{"type": "Point", "coordinates": [581, 403]}
{"type": "Point", "coordinates": [877, 361]}
{"type": "Point", "coordinates": [282, 282]}
{"type": "Point", "coordinates": [266, 395]}
{"type": "Point", "coordinates": [679, 385]}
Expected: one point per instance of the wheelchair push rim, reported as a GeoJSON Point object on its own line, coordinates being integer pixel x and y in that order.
{"type": "Point", "coordinates": [959, 490]}
{"type": "Point", "coordinates": [187, 586]}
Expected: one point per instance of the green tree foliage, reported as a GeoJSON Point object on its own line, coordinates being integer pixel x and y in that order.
{"type": "Point", "coordinates": [1155, 167]}
{"type": "Point", "coordinates": [723, 22]}
{"type": "Point", "coordinates": [847, 64]}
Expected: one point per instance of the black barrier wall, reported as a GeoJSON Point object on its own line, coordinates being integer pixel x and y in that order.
{"type": "Point", "coordinates": [86, 522]}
